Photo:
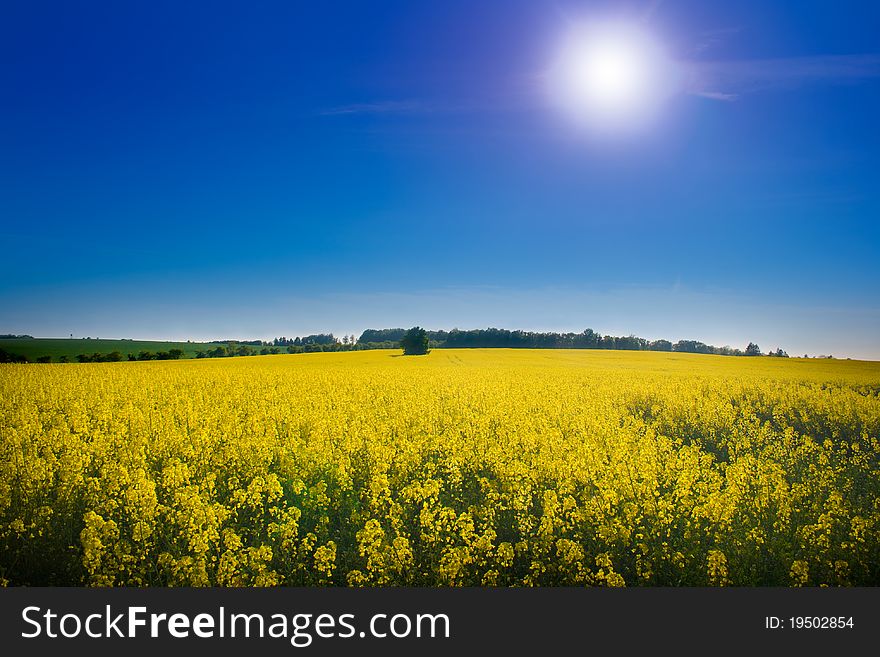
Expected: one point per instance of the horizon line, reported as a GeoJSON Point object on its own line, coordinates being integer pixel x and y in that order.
{"type": "Point", "coordinates": [268, 341]}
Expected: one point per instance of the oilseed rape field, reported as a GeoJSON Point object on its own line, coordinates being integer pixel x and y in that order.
{"type": "Point", "coordinates": [460, 468]}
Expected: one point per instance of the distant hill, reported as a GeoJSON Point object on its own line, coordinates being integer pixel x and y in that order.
{"type": "Point", "coordinates": [55, 348]}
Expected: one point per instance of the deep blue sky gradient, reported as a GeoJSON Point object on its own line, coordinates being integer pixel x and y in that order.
{"type": "Point", "coordinates": [257, 169]}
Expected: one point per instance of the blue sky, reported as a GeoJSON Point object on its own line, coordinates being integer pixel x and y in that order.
{"type": "Point", "coordinates": [252, 170]}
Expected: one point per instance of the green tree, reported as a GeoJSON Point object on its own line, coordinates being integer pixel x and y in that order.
{"type": "Point", "coordinates": [415, 342]}
{"type": "Point", "coordinates": [753, 350]}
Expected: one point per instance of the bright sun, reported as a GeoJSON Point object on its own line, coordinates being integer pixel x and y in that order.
{"type": "Point", "coordinates": [610, 76]}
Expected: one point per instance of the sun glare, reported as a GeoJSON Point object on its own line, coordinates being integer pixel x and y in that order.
{"type": "Point", "coordinates": [611, 76]}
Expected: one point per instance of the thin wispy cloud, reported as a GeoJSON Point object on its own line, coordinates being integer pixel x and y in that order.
{"type": "Point", "coordinates": [727, 81]}
{"type": "Point", "coordinates": [715, 95]}
{"type": "Point", "coordinates": [723, 81]}
{"type": "Point", "coordinates": [709, 39]}
{"type": "Point", "coordinates": [378, 107]}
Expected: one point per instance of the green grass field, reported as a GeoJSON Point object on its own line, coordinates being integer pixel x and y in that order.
{"type": "Point", "coordinates": [34, 348]}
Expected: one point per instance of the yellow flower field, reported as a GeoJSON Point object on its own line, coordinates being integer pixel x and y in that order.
{"type": "Point", "coordinates": [463, 467]}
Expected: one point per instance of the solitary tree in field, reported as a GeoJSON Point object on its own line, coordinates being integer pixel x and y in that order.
{"type": "Point", "coordinates": [415, 342]}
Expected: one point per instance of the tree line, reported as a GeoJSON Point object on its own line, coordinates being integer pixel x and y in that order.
{"type": "Point", "coordinates": [321, 339]}
{"type": "Point", "coordinates": [309, 344]}
{"type": "Point", "coordinates": [393, 338]}
{"type": "Point", "coordinates": [494, 338]}
{"type": "Point", "coordinates": [233, 348]}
